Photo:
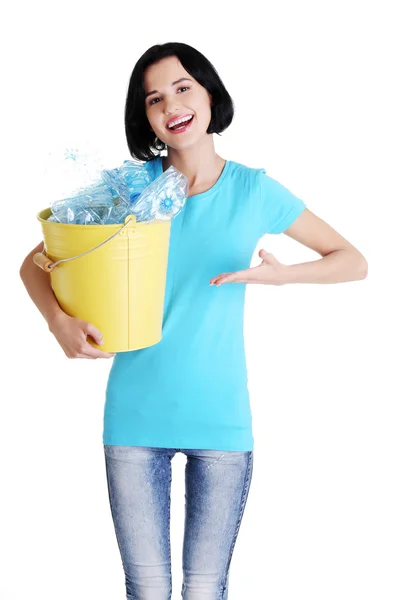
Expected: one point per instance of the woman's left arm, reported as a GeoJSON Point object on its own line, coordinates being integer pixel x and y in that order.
{"type": "Point", "coordinates": [340, 261]}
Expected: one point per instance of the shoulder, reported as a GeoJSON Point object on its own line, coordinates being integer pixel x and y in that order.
{"type": "Point", "coordinates": [245, 169]}
{"type": "Point", "coordinates": [245, 175]}
{"type": "Point", "coordinates": [263, 182]}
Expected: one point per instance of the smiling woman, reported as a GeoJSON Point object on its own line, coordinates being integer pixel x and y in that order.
{"type": "Point", "coordinates": [189, 393]}
{"type": "Point", "coordinates": [175, 102]}
{"type": "Point", "coordinates": [171, 81]}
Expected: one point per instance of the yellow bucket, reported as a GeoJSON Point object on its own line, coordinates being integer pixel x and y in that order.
{"type": "Point", "coordinates": [113, 276]}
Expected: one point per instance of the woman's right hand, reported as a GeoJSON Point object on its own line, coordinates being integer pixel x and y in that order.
{"type": "Point", "coordinates": [71, 333]}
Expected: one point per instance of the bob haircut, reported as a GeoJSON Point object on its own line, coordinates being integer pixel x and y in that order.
{"type": "Point", "coordinates": [140, 137]}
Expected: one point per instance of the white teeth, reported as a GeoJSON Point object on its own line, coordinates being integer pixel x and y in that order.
{"type": "Point", "coordinates": [181, 120]}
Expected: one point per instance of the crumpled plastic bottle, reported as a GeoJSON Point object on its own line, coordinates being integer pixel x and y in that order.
{"type": "Point", "coordinates": [126, 190]}
{"type": "Point", "coordinates": [163, 199]}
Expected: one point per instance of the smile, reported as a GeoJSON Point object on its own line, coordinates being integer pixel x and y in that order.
{"type": "Point", "coordinates": [181, 125]}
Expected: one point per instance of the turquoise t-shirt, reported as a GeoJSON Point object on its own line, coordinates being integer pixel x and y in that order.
{"type": "Point", "coordinates": [190, 389]}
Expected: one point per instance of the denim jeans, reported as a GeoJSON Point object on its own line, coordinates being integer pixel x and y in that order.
{"type": "Point", "coordinates": [216, 488]}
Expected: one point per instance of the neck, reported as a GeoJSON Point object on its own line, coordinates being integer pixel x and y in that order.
{"type": "Point", "coordinates": [198, 163]}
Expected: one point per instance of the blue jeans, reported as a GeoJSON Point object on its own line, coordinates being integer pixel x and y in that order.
{"type": "Point", "coordinates": [139, 483]}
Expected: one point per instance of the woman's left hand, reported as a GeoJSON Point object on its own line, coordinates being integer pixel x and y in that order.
{"type": "Point", "coordinates": [270, 271]}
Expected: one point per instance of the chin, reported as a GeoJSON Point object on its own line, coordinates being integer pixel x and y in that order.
{"type": "Point", "coordinates": [181, 144]}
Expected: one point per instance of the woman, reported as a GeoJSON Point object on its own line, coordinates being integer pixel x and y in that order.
{"type": "Point", "coordinates": [188, 393]}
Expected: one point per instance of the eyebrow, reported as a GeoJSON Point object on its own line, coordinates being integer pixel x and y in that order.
{"type": "Point", "coordinates": [174, 83]}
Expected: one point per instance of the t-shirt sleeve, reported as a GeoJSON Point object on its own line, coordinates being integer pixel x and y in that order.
{"type": "Point", "coordinates": [278, 206]}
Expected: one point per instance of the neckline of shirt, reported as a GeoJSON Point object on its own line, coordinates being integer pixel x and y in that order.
{"type": "Point", "coordinates": [212, 188]}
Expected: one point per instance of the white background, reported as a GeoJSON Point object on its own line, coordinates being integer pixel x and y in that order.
{"type": "Point", "coordinates": [314, 86]}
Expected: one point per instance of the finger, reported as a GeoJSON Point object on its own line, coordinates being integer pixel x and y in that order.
{"type": "Point", "coordinates": [252, 275]}
{"type": "Point", "coordinates": [263, 252]}
{"type": "Point", "coordinates": [90, 352]}
{"type": "Point", "coordinates": [237, 277]}
{"type": "Point", "coordinates": [95, 355]}
{"type": "Point", "coordinates": [213, 279]}
{"type": "Point", "coordinates": [91, 330]}
{"type": "Point", "coordinates": [267, 257]}
{"type": "Point", "coordinates": [227, 279]}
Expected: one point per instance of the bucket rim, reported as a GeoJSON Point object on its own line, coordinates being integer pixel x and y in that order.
{"type": "Point", "coordinates": [48, 212]}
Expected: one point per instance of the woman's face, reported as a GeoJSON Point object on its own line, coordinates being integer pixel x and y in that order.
{"type": "Point", "coordinates": [172, 99]}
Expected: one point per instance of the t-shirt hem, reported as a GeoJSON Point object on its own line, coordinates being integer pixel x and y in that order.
{"type": "Point", "coordinates": [189, 444]}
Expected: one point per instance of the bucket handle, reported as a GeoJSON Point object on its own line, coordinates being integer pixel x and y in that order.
{"type": "Point", "coordinates": [44, 262]}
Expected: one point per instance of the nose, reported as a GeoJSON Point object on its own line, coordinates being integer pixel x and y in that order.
{"type": "Point", "coordinates": [171, 106]}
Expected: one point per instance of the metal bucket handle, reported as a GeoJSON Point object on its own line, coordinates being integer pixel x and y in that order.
{"type": "Point", "coordinates": [44, 262]}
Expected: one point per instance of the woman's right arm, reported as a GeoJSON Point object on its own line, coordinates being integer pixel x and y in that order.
{"type": "Point", "coordinates": [70, 332]}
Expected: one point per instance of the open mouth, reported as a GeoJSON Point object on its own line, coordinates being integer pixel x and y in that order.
{"type": "Point", "coordinates": [181, 126]}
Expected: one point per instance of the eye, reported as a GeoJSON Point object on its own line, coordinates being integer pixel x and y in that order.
{"type": "Point", "coordinates": [152, 101]}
